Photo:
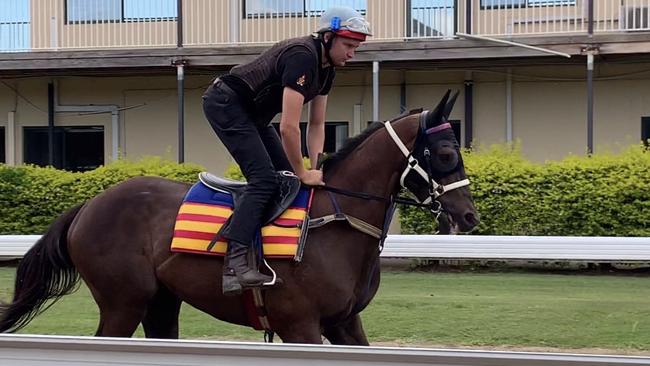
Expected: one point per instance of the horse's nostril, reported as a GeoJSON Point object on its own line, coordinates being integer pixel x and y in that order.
{"type": "Point", "coordinates": [471, 218]}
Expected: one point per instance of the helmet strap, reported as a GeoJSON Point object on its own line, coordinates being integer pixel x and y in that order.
{"type": "Point", "coordinates": [328, 46]}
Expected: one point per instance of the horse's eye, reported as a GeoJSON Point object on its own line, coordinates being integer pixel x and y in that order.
{"type": "Point", "coordinates": [445, 158]}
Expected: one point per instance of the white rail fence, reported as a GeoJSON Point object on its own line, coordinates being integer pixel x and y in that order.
{"type": "Point", "coordinates": [569, 248]}
{"type": "Point", "coordinates": [27, 350]}
{"type": "Point", "coordinates": [33, 25]}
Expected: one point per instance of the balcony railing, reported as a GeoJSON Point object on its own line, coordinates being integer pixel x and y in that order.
{"type": "Point", "coordinates": [539, 17]}
{"type": "Point", "coordinates": [33, 25]}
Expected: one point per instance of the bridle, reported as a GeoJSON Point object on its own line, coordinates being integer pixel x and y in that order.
{"type": "Point", "coordinates": [413, 165]}
{"type": "Point", "coordinates": [435, 189]}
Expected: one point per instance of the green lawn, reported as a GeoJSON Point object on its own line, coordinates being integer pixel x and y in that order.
{"type": "Point", "coordinates": [480, 310]}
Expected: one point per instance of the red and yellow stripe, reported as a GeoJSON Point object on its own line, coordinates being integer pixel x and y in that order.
{"type": "Point", "coordinates": [197, 224]}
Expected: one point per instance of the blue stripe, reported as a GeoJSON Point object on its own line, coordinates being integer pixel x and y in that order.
{"type": "Point", "coordinates": [200, 193]}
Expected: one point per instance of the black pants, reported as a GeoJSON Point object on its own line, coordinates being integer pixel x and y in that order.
{"type": "Point", "coordinates": [257, 150]}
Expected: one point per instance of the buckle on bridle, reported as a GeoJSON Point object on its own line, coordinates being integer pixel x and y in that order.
{"type": "Point", "coordinates": [435, 208]}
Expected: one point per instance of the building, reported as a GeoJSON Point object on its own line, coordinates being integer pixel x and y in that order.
{"type": "Point", "coordinates": [83, 82]}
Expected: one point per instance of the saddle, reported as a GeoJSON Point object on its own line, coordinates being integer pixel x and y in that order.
{"type": "Point", "coordinates": [287, 192]}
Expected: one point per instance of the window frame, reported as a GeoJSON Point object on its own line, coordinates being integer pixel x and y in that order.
{"type": "Point", "coordinates": [121, 19]}
{"type": "Point", "coordinates": [304, 13]}
{"type": "Point", "coordinates": [60, 159]}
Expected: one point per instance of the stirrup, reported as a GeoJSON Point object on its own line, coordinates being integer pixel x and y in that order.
{"type": "Point", "coordinates": [274, 281]}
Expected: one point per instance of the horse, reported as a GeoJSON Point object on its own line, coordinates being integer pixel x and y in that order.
{"type": "Point", "coordinates": [118, 242]}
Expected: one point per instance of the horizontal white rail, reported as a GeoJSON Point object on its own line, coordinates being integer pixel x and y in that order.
{"type": "Point", "coordinates": [573, 248]}
{"type": "Point", "coordinates": [570, 248]}
{"type": "Point", "coordinates": [23, 350]}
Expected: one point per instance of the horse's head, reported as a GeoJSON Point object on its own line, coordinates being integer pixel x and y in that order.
{"type": "Point", "coordinates": [436, 171]}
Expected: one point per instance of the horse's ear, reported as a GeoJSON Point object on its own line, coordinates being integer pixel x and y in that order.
{"type": "Point", "coordinates": [450, 105]}
{"type": "Point", "coordinates": [435, 117]}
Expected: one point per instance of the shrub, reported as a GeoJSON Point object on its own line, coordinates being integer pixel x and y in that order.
{"type": "Point", "coordinates": [602, 195]}
{"type": "Point", "coordinates": [32, 197]}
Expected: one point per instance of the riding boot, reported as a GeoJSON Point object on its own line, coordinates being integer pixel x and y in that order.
{"type": "Point", "coordinates": [237, 264]}
{"type": "Point", "coordinates": [229, 284]}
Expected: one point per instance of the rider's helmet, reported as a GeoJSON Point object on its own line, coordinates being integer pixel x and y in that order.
{"type": "Point", "coordinates": [345, 22]}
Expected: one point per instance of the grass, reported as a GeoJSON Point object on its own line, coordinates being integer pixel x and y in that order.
{"type": "Point", "coordinates": [446, 309]}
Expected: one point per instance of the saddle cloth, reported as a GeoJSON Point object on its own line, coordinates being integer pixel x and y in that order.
{"type": "Point", "coordinates": [204, 210]}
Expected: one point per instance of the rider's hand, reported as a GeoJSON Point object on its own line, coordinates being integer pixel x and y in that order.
{"type": "Point", "coordinates": [312, 177]}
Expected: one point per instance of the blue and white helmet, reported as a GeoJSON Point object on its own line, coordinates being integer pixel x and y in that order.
{"type": "Point", "coordinates": [345, 22]}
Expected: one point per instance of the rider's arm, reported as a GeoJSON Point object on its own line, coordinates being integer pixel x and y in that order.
{"type": "Point", "coordinates": [316, 130]}
{"type": "Point", "coordinates": [290, 131]}
{"type": "Point", "coordinates": [290, 128]}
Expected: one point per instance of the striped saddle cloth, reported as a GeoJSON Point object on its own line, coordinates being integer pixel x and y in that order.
{"type": "Point", "coordinates": [204, 210]}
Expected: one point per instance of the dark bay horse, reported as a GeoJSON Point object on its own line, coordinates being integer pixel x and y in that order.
{"type": "Point", "coordinates": [118, 242]}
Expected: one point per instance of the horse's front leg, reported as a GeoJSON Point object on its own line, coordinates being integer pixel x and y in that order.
{"type": "Point", "coordinates": [349, 332]}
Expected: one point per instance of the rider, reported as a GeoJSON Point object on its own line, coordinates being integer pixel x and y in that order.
{"type": "Point", "coordinates": [240, 106]}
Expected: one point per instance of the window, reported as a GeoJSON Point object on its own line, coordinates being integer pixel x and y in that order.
{"type": "Point", "coordinates": [280, 8]}
{"type": "Point", "coordinates": [78, 148]}
{"type": "Point", "coordinates": [645, 130]}
{"type": "Point", "coordinates": [14, 25]}
{"type": "Point", "coordinates": [3, 158]}
{"type": "Point", "coordinates": [432, 18]}
{"type": "Point", "coordinates": [111, 11]}
{"type": "Point", "coordinates": [495, 4]}
{"type": "Point", "coordinates": [335, 135]}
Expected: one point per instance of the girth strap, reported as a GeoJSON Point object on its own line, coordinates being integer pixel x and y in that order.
{"type": "Point", "coordinates": [356, 223]}
{"type": "Point", "coordinates": [338, 215]}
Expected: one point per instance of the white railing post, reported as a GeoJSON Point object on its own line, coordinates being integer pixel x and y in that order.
{"type": "Point", "coordinates": [54, 44]}
{"type": "Point", "coordinates": [234, 21]}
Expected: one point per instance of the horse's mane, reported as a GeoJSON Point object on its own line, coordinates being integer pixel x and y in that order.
{"type": "Point", "coordinates": [352, 143]}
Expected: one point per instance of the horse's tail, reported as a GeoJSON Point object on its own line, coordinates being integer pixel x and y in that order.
{"type": "Point", "coordinates": [45, 273]}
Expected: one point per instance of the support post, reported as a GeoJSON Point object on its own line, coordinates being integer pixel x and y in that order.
{"type": "Point", "coordinates": [469, 111]}
{"type": "Point", "coordinates": [509, 106]}
{"type": "Point", "coordinates": [179, 23]}
{"type": "Point", "coordinates": [180, 76]}
{"type": "Point", "coordinates": [590, 103]}
{"type": "Point", "coordinates": [50, 123]}
{"type": "Point", "coordinates": [375, 90]}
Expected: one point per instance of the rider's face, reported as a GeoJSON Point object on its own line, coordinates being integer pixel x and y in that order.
{"type": "Point", "coordinates": [343, 49]}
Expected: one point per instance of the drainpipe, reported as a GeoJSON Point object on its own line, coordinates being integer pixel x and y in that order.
{"type": "Point", "coordinates": [402, 94]}
{"type": "Point", "coordinates": [468, 16]}
{"type": "Point", "coordinates": [469, 109]}
{"type": "Point", "coordinates": [10, 138]}
{"type": "Point", "coordinates": [50, 123]}
{"type": "Point", "coordinates": [509, 106]}
{"type": "Point", "coordinates": [179, 23]}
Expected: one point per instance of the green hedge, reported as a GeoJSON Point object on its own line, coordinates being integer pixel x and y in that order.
{"type": "Point", "coordinates": [31, 197]}
{"type": "Point", "coordinates": [602, 195]}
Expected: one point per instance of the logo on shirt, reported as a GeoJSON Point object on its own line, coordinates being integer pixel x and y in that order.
{"type": "Point", "coordinates": [301, 81]}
